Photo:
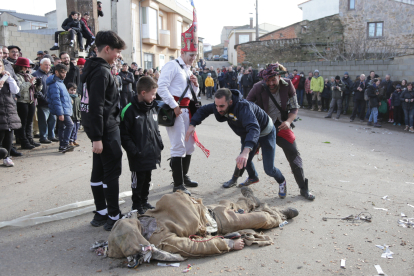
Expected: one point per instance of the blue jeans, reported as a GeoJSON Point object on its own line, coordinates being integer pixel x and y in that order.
{"type": "Point", "coordinates": [374, 114]}
{"type": "Point", "coordinates": [74, 134]}
{"type": "Point", "coordinates": [409, 117]}
{"type": "Point", "coordinates": [268, 144]}
{"type": "Point", "coordinates": [299, 95]}
{"type": "Point", "coordinates": [65, 129]}
{"type": "Point", "coordinates": [368, 111]}
{"type": "Point", "coordinates": [46, 123]}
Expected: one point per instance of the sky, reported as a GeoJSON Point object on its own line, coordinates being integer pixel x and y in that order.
{"type": "Point", "coordinates": [212, 14]}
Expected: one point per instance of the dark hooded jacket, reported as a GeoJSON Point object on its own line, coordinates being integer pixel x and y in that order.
{"type": "Point", "coordinates": [245, 118]}
{"type": "Point", "coordinates": [374, 99]}
{"type": "Point", "coordinates": [70, 23]}
{"type": "Point", "coordinates": [9, 119]}
{"type": "Point", "coordinates": [302, 80]}
{"type": "Point", "coordinates": [347, 85]}
{"type": "Point", "coordinates": [100, 101]}
{"type": "Point", "coordinates": [140, 135]}
{"type": "Point", "coordinates": [407, 95]}
{"type": "Point", "coordinates": [73, 75]}
{"type": "Point", "coordinates": [41, 96]}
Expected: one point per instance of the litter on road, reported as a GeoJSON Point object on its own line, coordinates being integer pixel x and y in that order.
{"type": "Point", "coordinates": [173, 264]}
{"type": "Point", "coordinates": [379, 270]}
{"type": "Point", "coordinates": [387, 254]}
{"type": "Point", "coordinates": [343, 263]}
{"type": "Point", "coordinates": [381, 209]}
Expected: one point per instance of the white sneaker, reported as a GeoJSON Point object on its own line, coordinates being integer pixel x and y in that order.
{"type": "Point", "coordinates": [8, 162]}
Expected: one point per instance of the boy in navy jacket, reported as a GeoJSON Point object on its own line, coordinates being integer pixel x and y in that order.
{"type": "Point", "coordinates": [142, 141]}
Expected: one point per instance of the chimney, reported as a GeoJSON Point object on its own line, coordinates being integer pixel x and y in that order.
{"type": "Point", "coordinates": [251, 22]}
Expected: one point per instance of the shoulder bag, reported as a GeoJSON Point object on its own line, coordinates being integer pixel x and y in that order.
{"type": "Point", "coordinates": [283, 113]}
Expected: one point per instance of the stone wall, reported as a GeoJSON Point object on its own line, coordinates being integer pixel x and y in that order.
{"type": "Point", "coordinates": [29, 43]}
{"type": "Point", "coordinates": [399, 68]}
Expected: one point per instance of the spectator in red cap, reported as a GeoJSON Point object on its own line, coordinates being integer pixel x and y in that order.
{"type": "Point", "coordinates": [81, 64]}
{"type": "Point", "coordinates": [29, 87]}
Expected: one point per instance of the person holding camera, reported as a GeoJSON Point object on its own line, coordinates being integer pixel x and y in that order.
{"type": "Point", "coordinates": [337, 89]}
{"type": "Point", "coordinates": [29, 87]}
{"type": "Point", "coordinates": [46, 120]}
{"type": "Point", "coordinates": [374, 102]}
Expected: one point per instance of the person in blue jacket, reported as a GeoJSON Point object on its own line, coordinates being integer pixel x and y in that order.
{"type": "Point", "coordinates": [254, 127]}
{"type": "Point", "coordinates": [60, 104]}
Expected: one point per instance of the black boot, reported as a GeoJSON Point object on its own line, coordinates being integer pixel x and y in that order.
{"type": "Point", "coordinates": [304, 191]}
{"type": "Point", "coordinates": [33, 143]}
{"type": "Point", "coordinates": [186, 165]}
{"type": "Point", "coordinates": [233, 181]}
{"type": "Point", "coordinates": [136, 201]}
{"type": "Point", "coordinates": [177, 172]}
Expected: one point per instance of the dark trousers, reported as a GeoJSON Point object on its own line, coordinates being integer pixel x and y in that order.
{"type": "Point", "coordinates": [140, 184]}
{"type": "Point", "coordinates": [88, 38]}
{"type": "Point", "coordinates": [125, 98]}
{"type": "Point", "coordinates": [106, 169]}
{"type": "Point", "coordinates": [299, 94]}
{"type": "Point", "coordinates": [309, 99]}
{"type": "Point", "coordinates": [75, 129]}
{"type": "Point", "coordinates": [203, 90]}
{"type": "Point", "coordinates": [246, 91]}
{"type": "Point", "coordinates": [359, 105]}
{"type": "Point", "coordinates": [6, 139]}
{"type": "Point", "coordinates": [325, 103]}
{"type": "Point", "coordinates": [72, 37]}
{"type": "Point", "coordinates": [398, 114]}
{"type": "Point", "coordinates": [26, 112]}
{"type": "Point", "coordinates": [209, 92]}
{"type": "Point", "coordinates": [345, 102]}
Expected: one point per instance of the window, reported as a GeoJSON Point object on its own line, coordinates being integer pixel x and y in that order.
{"type": "Point", "coordinates": [148, 61]}
{"type": "Point", "coordinates": [149, 23]}
{"type": "Point", "coordinates": [172, 58]}
{"type": "Point", "coordinates": [375, 29]}
{"type": "Point", "coordinates": [144, 16]}
{"type": "Point", "coordinates": [160, 23]}
{"type": "Point", "coordinates": [179, 31]}
{"type": "Point", "coordinates": [244, 38]}
{"type": "Point", "coordinates": [351, 4]}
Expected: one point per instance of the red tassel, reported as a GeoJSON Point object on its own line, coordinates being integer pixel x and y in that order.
{"type": "Point", "coordinates": [197, 142]}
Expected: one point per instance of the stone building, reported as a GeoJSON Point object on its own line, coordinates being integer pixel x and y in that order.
{"type": "Point", "coordinates": [23, 21]}
{"type": "Point", "coordinates": [380, 28]}
{"type": "Point", "coordinates": [362, 29]}
{"type": "Point", "coordinates": [292, 43]}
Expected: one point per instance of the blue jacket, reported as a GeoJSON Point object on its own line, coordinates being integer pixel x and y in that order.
{"type": "Point", "coordinates": [58, 97]}
{"type": "Point", "coordinates": [245, 118]}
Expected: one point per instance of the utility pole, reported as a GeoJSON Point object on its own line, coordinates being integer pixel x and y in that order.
{"type": "Point", "coordinates": [114, 16]}
{"type": "Point", "coordinates": [257, 21]}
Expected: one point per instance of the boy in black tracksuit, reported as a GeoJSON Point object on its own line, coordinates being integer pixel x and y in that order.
{"type": "Point", "coordinates": [100, 119]}
{"type": "Point", "coordinates": [141, 140]}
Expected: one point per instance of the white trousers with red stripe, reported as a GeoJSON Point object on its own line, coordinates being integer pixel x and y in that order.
{"type": "Point", "coordinates": [176, 133]}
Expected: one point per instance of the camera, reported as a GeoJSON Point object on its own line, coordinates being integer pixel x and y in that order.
{"type": "Point", "coordinates": [38, 81]}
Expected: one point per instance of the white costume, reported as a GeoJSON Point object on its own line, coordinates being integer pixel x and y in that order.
{"type": "Point", "coordinates": [172, 82]}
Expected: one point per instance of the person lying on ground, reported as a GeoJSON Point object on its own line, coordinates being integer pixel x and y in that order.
{"type": "Point", "coordinates": [183, 225]}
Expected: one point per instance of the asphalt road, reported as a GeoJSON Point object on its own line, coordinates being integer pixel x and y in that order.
{"type": "Point", "coordinates": [349, 175]}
